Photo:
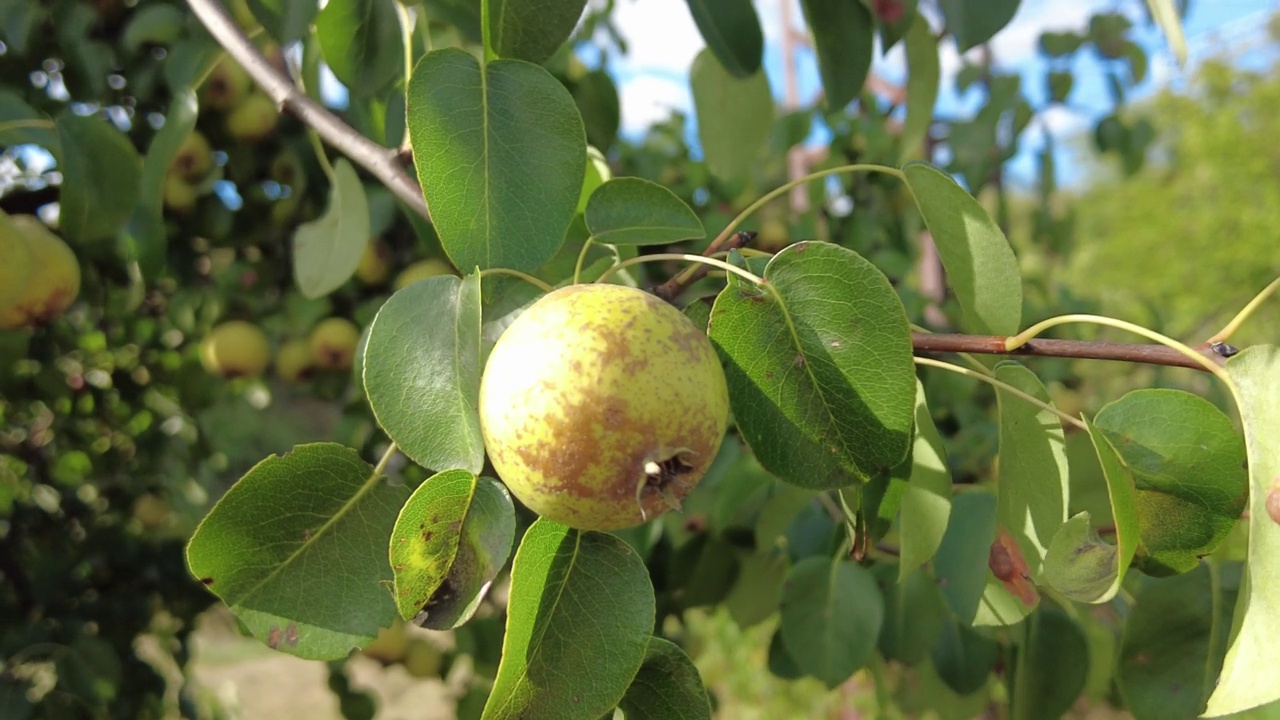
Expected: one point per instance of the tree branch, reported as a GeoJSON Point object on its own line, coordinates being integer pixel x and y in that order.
{"type": "Point", "coordinates": [1125, 352]}
{"type": "Point", "coordinates": [672, 288]}
{"type": "Point", "coordinates": [381, 162]}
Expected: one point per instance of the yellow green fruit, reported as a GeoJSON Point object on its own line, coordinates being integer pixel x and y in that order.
{"type": "Point", "coordinates": [194, 159]}
{"type": "Point", "coordinates": [15, 263]}
{"type": "Point", "coordinates": [333, 343]}
{"type": "Point", "coordinates": [236, 348]}
{"type": "Point", "coordinates": [226, 87]}
{"type": "Point", "coordinates": [293, 360]}
{"type": "Point", "coordinates": [254, 119]}
{"type": "Point", "coordinates": [423, 659]}
{"type": "Point", "coordinates": [602, 406]}
{"type": "Point", "coordinates": [390, 645]}
{"type": "Point", "coordinates": [422, 270]}
{"type": "Point", "coordinates": [180, 196]}
{"type": "Point", "coordinates": [375, 263]}
{"type": "Point", "coordinates": [50, 281]}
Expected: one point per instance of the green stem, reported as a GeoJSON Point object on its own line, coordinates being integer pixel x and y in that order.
{"type": "Point", "coordinates": [1244, 313]}
{"type": "Point", "coordinates": [424, 26]}
{"type": "Point", "coordinates": [544, 287]}
{"type": "Point", "coordinates": [582, 256]}
{"type": "Point", "coordinates": [313, 137]}
{"type": "Point", "coordinates": [485, 35]}
{"type": "Point", "coordinates": [990, 380]}
{"type": "Point", "coordinates": [406, 38]}
{"type": "Point", "coordinates": [381, 467]}
{"type": "Point", "coordinates": [686, 257]}
{"type": "Point", "coordinates": [27, 125]}
{"type": "Point", "coordinates": [1021, 338]}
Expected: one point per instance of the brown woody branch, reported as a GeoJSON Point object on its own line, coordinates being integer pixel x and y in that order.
{"type": "Point", "coordinates": [672, 288]}
{"type": "Point", "coordinates": [1125, 352]}
{"type": "Point", "coordinates": [383, 163]}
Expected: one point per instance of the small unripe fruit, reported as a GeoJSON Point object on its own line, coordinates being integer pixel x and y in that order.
{"type": "Point", "coordinates": [602, 406]}
{"type": "Point", "coordinates": [423, 659]}
{"type": "Point", "coordinates": [236, 348]}
{"type": "Point", "coordinates": [180, 196]}
{"type": "Point", "coordinates": [253, 120]}
{"type": "Point", "coordinates": [194, 159]}
{"type": "Point", "coordinates": [226, 87]}
{"type": "Point", "coordinates": [15, 264]}
{"type": "Point", "coordinates": [390, 645]}
{"type": "Point", "coordinates": [293, 361]}
{"type": "Point", "coordinates": [50, 281]}
{"type": "Point", "coordinates": [375, 263]}
{"type": "Point", "coordinates": [333, 343]}
{"type": "Point", "coordinates": [422, 270]}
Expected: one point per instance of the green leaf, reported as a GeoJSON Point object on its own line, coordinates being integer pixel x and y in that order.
{"type": "Point", "coordinates": [732, 31]}
{"type": "Point", "coordinates": [298, 550]}
{"type": "Point", "coordinates": [580, 617]}
{"type": "Point", "coordinates": [20, 124]}
{"type": "Point", "coordinates": [820, 375]}
{"type": "Point", "coordinates": [158, 24]}
{"type": "Point", "coordinates": [758, 590]}
{"type": "Point", "coordinates": [532, 30]}
{"type": "Point", "coordinates": [961, 561]}
{"type": "Point", "coordinates": [1050, 667]}
{"type": "Point", "coordinates": [449, 542]}
{"type": "Point", "coordinates": [285, 20]}
{"type": "Point", "coordinates": [1079, 564]}
{"type": "Point", "coordinates": [634, 211]}
{"type": "Point", "coordinates": [423, 378]}
{"type": "Point", "coordinates": [981, 268]}
{"type": "Point", "coordinates": [973, 23]}
{"type": "Point", "coordinates": [148, 239]}
{"type": "Point", "coordinates": [701, 572]}
{"type": "Point", "coordinates": [831, 617]}
{"type": "Point", "coordinates": [1188, 463]}
{"type": "Point", "coordinates": [101, 173]}
{"type": "Point", "coordinates": [923, 71]}
{"type": "Point", "coordinates": [327, 250]}
{"type": "Point", "coordinates": [964, 657]}
{"type": "Point", "coordinates": [1169, 654]}
{"type": "Point", "coordinates": [735, 116]}
{"type": "Point", "coordinates": [925, 505]}
{"type": "Point", "coordinates": [914, 614]}
{"type": "Point", "coordinates": [667, 687]}
{"type": "Point", "coordinates": [843, 37]}
{"type": "Point", "coordinates": [361, 43]}
{"type": "Point", "coordinates": [1248, 674]}
{"type": "Point", "coordinates": [500, 153]}
{"type": "Point", "coordinates": [597, 99]}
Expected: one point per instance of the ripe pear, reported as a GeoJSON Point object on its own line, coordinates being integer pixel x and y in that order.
{"type": "Point", "coordinates": [333, 343]}
{"type": "Point", "coordinates": [293, 361]}
{"type": "Point", "coordinates": [50, 281]}
{"type": "Point", "coordinates": [236, 348]}
{"type": "Point", "coordinates": [254, 119]}
{"type": "Point", "coordinates": [422, 270]}
{"type": "Point", "coordinates": [194, 159]}
{"type": "Point", "coordinates": [375, 263]}
{"type": "Point", "coordinates": [602, 406]}
{"type": "Point", "coordinates": [226, 87]}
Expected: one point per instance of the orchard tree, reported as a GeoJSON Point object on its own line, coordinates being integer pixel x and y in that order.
{"type": "Point", "coordinates": [580, 386]}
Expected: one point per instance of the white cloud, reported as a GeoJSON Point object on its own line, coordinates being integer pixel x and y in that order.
{"type": "Point", "coordinates": [649, 99]}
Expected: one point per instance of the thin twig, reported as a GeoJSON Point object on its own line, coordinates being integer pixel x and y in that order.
{"type": "Point", "coordinates": [672, 288]}
{"type": "Point", "coordinates": [1127, 352]}
{"type": "Point", "coordinates": [382, 163]}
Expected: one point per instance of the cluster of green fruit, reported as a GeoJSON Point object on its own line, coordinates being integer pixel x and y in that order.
{"type": "Point", "coordinates": [421, 658]}
{"type": "Point", "coordinates": [39, 273]}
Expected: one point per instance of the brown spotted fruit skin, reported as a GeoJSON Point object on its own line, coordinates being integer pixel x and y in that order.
{"type": "Point", "coordinates": [588, 386]}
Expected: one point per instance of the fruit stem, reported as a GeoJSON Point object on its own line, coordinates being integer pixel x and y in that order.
{"type": "Point", "coordinates": [687, 258]}
{"type": "Point", "coordinates": [582, 256]}
{"type": "Point", "coordinates": [381, 468]}
{"type": "Point", "coordinates": [517, 274]}
{"type": "Point", "coordinates": [929, 362]}
{"type": "Point", "coordinates": [1230, 328]}
{"type": "Point", "coordinates": [486, 39]}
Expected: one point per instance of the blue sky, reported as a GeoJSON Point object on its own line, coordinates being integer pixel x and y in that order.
{"type": "Point", "coordinates": [653, 77]}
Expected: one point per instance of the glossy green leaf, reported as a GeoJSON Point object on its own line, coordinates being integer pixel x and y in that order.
{"type": "Point", "coordinates": [449, 542]}
{"type": "Point", "coordinates": [831, 617]}
{"type": "Point", "coordinates": [973, 23]}
{"type": "Point", "coordinates": [735, 116]}
{"type": "Point", "coordinates": [298, 550]}
{"type": "Point", "coordinates": [596, 96]}
{"type": "Point", "coordinates": [914, 614]}
{"type": "Point", "coordinates": [780, 662]}
{"type": "Point", "coordinates": [532, 30]}
{"type": "Point", "coordinates": [844, 38]}
{"type": "Point", "coordinates": [925, 505]}
{"type": "Point", "coordinates": [701, 572]}
{"type": "Point", "coordinates": [731, 29]}
{"type": "Point", "coordinates": [423, 378]}
{"type": "Point", "coordinates": [923, 71]}
{"type": "Point", "coordinates": [156, 24]}
{"type": "Point", "coordinates": [1079, 564]}
{"type": "Point", "coordinates": [1050, 667]}
{"type": "Point", "coordinates": [101, 176]}
{"type": "Point", "coordinates": [362, 44]}
{"type": "Point", "coordinates": [1188, 463]}
{"type": "Point", "coordinates": [500, 153]}
{"type": "Point", "coordinates": [327, 250]}
{"type": "Point", "coordinates": [820, 375]}
{"type": "Point", "coordinates": [667, 687]}
{"type": "Point", "coordinates": [287, 20]}
{"type": "Point", "coordinates": [964, 657]}
{"type": "Point", "coordinates": [1169, 654]}
{"type": "Point", "coordinates": [961, 561]}
{"type": "Point", "coordinates": [146, 233]}
{"type": "Point", "coordinates": [981, 268]}
{"type": "Point", "coordinates": [758, 590]}
{"type": "Point", "coordinates": [1248, 674]}
{"type": "Point", "coordinates": [634, 211]}
{"type": "Point", "coordinates": [580, 616]}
